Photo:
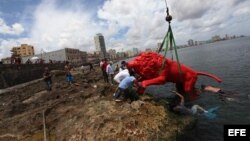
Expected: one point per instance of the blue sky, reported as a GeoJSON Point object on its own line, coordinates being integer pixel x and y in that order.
{"type": "Point", "coordinates": [54, 24]}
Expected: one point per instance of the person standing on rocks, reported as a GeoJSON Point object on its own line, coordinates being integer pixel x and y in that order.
{"type": "Point", "coordinates": [101, 63]}
{"type": "Point", "coordinates": [47, 79]}
{"type": "Point", "coordinates": [91, 67]}
{"type": "Point", "coordinates": [110, 72]}
{"type": "Point", "coordinates": [82, 69]}
{"type": "Point", "coordinates": [116, 69]}
{"type": "Point", "coordinates": [67, 69]}
{"type": "Point", "coordinates": [104, 73]}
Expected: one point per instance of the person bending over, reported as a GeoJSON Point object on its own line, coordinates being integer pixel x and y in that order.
{"type": "Point", "coordinates": [121, 75]}
{"type": "Point", "coordinates": [125, 90]}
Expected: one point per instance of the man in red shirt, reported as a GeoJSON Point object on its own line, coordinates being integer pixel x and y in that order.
{"type": "Point", "coordinates": [104, 73]}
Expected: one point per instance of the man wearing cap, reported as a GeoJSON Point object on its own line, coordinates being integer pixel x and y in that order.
{"type": "Point", "coordinates": [123, 66]}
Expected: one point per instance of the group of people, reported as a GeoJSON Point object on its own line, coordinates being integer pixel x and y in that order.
{"type": "Point", "coordinates": [122, 76]}
{"type": "Point", "coordinates": [128, 85]}
{"type": "Point", "coordinates": [108, 71]}
{"type": "Point", "coordinates": [47, 76]}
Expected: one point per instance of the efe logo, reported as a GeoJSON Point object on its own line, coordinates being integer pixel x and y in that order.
{"type": "Point", "coordinates": [236, 132]}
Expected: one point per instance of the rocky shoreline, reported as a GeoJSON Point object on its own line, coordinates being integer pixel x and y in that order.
{"type": "Point", "coordinates": [84, 112]}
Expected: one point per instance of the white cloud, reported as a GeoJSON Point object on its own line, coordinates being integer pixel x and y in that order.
{"type": "Point", "coordinates": [15, 29]}
{"type": "Point", "coordinates": [244, 10]}
{"type": "Point", "coordinates": [143, 18]}
{"type": "Point", "coordinates": [142, 23]}
{"type": "Point", "coordinates": [56, 28]}
{"type": "Point", "coordinates": [189, 9]}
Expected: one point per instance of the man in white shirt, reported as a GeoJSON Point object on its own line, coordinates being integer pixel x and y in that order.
{"type": "Point", "coordinates": [101, 62]}
{"type": "Point", "coordinates": [121, 75]}
{"type": "Point", "coordinates": [110, 72]}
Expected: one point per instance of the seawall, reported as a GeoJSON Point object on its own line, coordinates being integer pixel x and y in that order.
{"type": "Point", "coordinates": [13, 74]}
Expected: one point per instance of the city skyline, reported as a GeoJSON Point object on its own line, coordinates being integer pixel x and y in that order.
{"type": "Point", "coordinates": [125, 24]}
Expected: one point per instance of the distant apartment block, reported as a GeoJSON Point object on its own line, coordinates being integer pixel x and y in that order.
{"type": "Point", "coordinates": [23, 50]}
{"type": "Point", "coordinates": [148, 49]}
{"type": "Point", "coordinates": [92, 58]}
{"type": "Point", "coordinates": [112, 53]}
{"type": "Point", "coordinates": [130, 53]}
{"type": "Point", "coordinates": [100, 45]}
{"type": "Point", "coordinates": [74, 56]}
{"type": "Point", "coordinates": [216, 38]}
{"type": "Point", "coordinates": [120, 54]}
{"type": "Point", "coordinates": [6, 60]}
{"type": "Point", "coordinates": [135, 51]}
{"type": "Point", "coordinates": [158, 46]}
{"type": "Point", "coordinates": [190, 42]}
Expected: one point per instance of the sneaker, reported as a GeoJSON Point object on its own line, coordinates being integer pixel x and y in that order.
{"type": "Point", "coordinates": [120, 98]}
{"type": "Point", "coordinates": [115, 96]}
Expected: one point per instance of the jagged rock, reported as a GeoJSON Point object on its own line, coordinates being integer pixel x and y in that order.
{"type": "Point", "coordinates": [79, 113]}
{"type": "Point", "coordinates": [137, 104]}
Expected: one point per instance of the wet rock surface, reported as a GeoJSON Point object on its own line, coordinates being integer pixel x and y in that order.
{"type": "Point", "coordinates": [84, 112]}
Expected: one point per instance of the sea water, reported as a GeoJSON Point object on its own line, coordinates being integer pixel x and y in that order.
{"type": "Point", "coordinates": [229, 60]}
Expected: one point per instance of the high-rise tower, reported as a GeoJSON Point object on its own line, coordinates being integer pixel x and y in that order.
{"type": "Point", "coordinates": [100, 45]}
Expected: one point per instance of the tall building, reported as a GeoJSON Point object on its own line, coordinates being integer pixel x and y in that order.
{"type": "Point", "coordinates": [190, 42]}
{"type": "Point", "coordinates": [23, 50]}
{"type": "Point", "coordinates": [100, 45]}
{"type": "Point", "coordinates": [158, 45]}
{"type": "Point", "coordinates": [135, 51]}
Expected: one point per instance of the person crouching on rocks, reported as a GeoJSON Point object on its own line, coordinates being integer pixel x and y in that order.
{"type": "Point", "coordinates": [47, 79]}
{"type": "Point", "coordinates": [125, 89]}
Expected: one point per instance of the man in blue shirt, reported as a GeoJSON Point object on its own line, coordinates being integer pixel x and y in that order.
{"type": "Point", "coordinates": [124, 89]}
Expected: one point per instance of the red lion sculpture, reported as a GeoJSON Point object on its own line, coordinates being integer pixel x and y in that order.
{"type": "Point", "coordinates": [152, 70]}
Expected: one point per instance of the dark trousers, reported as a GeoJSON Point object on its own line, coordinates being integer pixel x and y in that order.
{"type": "Point", "coordinates": [128, 93]}
{"type": "Point", "coordinates": [49, 84]}
{"type": "Point", "coordinates": [69, 78]}
{"type": "Point", "coordinates": [105, 76]}
{"type": "Point", "coordinates": [111, 76]}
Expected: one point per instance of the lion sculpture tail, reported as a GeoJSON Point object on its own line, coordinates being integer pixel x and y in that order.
{"type": "Point", "coordinates": [210, 75]}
